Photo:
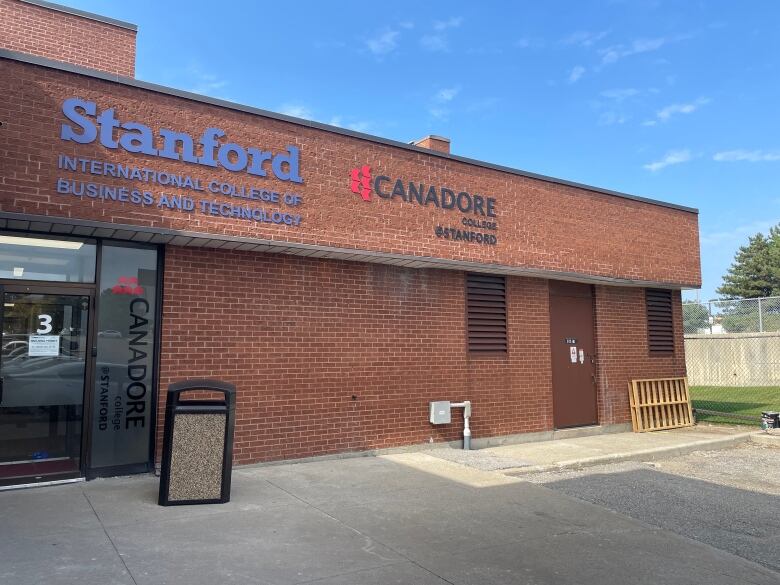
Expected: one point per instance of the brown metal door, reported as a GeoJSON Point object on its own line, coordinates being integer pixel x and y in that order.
{"type": "Point", "coordinates": [573, 354]}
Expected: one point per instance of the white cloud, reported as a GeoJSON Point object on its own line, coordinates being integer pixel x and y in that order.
{"type": "Point", "coordinates": [297, 111]}
{"type": "Point", "coordinates": [439, 102]}
{"type": "Point", "coordinates": [204, 83]}
{"type": "Point", "coordinates": [451, 22]}
{"type": "Point", "coordinates": [746, 155]}
{"type": "Point", "coordinates": [384, 43]}
{"type": "Point", "coordinates": [645, 45]}
{"type": "Point", "coordinates": [439, 113]}
{"type": "Point", "coordinates": [576, 73]}
{"type": "Point", "coordinates": [584, 38]}
{"type": "Point", "coordinates": [446, 94]}
{"type": "Point", "coordinates": [611, 118]}
{"type": "Point", "coordinates": [616, 104]}
{"type": "Point", "coordinates": [616, 52]}
{"type": "Point", "coordinates": [434, 43]}
{"type": "Point", "coordinates": [534, 43]}
{"type": "Point", "coordinates": [673, 157]}
{"type": "Point", "coordinates": [438, 42]}
{"type": "Point", "coordinates": [620, 94]}
{"type": "Point", "coordinates": [360, 126]}
{"type": "Point", "coordinates": [688, 108]}
{"type": "Point", "coordinates": [737, 234]}
{"type": "Point", "coordinates": [649, 123]}
{"type": "Point", "coordinates": [208, 87]}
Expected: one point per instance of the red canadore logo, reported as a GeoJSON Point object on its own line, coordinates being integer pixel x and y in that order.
{"type": "Point", "coordinates": [479, 211]}
{"type": "Point", "coordinates": [361, 182]}
{"type": "Point", "coordinates": [127, 285]}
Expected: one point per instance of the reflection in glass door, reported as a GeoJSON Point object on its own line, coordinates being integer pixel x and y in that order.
{"type": "Point", "coordinates": [43, 355]}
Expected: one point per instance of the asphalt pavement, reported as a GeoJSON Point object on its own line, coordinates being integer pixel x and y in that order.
{"type": "Point", "coordinates": [409, 519]}
{"type": "Point", "coordinates": [728, 499]}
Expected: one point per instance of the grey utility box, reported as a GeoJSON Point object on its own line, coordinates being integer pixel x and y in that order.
{"type": "Point", "coordinates": [440, 412]}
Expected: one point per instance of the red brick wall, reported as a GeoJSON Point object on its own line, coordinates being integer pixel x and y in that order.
{"type": "Point", "coordinates": [622, 350]}
{"type": "Point", "coordinates": [66, 37]}
{"type": "Point", "coordinates": [542, 225]}
{"type": "Point", "coordinates": [300, 336]}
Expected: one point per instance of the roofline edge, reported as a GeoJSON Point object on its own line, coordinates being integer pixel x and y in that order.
{"type": "Point", "coordinates": [79, 70]}
{"type": "Point", "coordinates": [83, 14]}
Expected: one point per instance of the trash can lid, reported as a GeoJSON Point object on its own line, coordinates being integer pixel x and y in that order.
{"type": "Point", "coordinates": [175, 390]}
{"type": "Point", "coordinates": [202, 384]}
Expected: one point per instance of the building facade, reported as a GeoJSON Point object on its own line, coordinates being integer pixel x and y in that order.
{"type": "Point", "coordinates": [341, 281]}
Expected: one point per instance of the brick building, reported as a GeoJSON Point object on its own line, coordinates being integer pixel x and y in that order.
{"type": "Point", "coordinates": [341, 281]}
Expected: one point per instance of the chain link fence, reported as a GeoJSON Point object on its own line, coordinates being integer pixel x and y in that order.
{"type": "Point", "coordinates": [732, 354]}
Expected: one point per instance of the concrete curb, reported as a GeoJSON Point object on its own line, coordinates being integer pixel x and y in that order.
{"type": "Point", "coordinates": [641, 455]}
{"type": "Point", "coordinates": [477, 443]}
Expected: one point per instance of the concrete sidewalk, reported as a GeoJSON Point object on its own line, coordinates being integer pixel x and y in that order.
{"type": "Point", "coordinates": [578, 448]}
{"type": "Point", "coordinates": [410, 519]}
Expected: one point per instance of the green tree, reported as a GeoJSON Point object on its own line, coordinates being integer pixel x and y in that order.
{"type": "Point", "coordinates": [695, 317]}
{"type": "Point", "coordinates": [739, 317]}
{"type": "Point", "coordinates": [755, 271]}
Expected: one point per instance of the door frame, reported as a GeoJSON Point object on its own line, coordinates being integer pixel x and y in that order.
{"type": "Point", "coordinates": [73, 289]}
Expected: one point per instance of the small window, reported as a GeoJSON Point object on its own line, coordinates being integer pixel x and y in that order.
{"type": "Point", "coordinates": [24, 257]}
{"type": "Point", "coordinates": [660, 325]}
{"type": "Point", "coordinates": [486, 312]}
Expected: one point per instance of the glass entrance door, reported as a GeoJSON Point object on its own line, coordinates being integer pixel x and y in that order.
{"type": "Point", "coordinates": [43, 366]}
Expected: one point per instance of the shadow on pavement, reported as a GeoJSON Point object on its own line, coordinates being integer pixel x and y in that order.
{"type": "Point", "coordinates": [361, 521]}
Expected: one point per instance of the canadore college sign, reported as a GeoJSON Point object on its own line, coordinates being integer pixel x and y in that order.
{"type": "Point", "coordinates": [474, 207]}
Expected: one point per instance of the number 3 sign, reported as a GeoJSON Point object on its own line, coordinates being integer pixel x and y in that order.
{"type": "Point", "coordinates": [45, 324]}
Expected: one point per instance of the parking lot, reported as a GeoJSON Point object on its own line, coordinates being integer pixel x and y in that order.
{"type": "Point", "coordinates": [407, 519]}
{"type": "Point", "coordinates": [726, 498]}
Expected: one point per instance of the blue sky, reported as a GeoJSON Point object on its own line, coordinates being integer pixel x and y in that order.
{"type": "Point", "coordinates": [671, 100]}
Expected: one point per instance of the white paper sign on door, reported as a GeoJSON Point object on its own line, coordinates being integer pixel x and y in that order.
{"type": "Point", "coordinates": [573, 351]}
{"type": "Point", "coordinates": [43, 345]}
{"type": "Point", "coordinates": [582, 357]}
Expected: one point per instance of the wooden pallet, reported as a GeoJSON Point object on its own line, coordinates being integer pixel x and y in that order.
{"type": "Point", "coordinates": [662, 403]}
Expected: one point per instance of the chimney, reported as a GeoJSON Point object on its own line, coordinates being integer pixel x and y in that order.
{"type": "Point", "coordinates": [431, 142]}
{"type": "Point", "coordinates": [68, 35]}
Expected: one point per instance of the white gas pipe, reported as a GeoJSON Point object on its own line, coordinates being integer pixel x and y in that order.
{"type": "Point", "coordinates": [466, 406]}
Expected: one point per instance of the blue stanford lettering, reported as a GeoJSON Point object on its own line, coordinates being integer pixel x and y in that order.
{"type": "Point", "coordinates": [136, 137]}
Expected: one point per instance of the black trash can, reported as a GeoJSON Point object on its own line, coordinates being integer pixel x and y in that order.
{"type": "Point", "coordinates": [770, 420]}
{"type": "Point", "coordinates": [197, 445]}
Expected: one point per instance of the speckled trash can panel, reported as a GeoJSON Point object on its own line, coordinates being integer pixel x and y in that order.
{"type": "Point", "coordinates": [196, 457]}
